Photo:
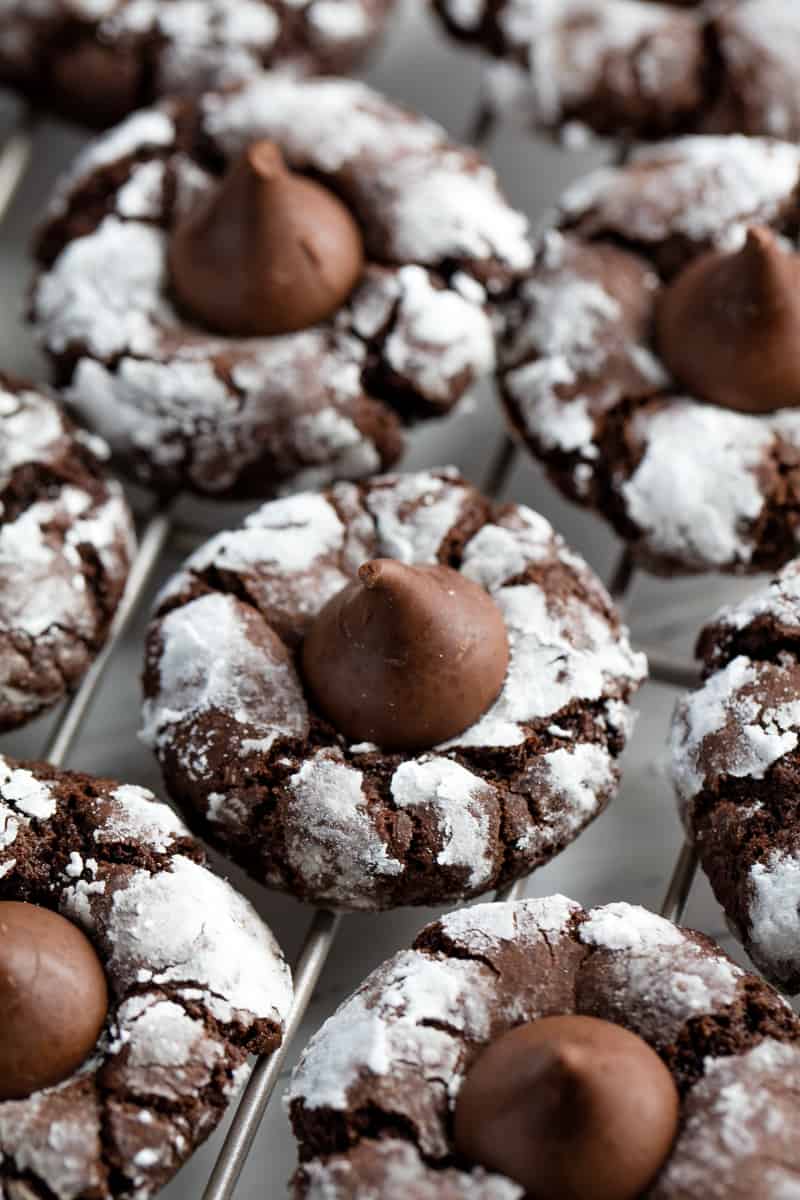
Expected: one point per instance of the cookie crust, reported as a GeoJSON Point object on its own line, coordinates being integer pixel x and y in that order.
{"type": "Point", "coordinates": [66, 543]}
{"type": "Point", "coordinates": [196, 983]}
{"type": "Point", "coordinates": [182, 408]}
{"type": "Point", "coordinates": [689, 486]}
{"type": "Point", "coordinates": [372, 1097]}
{"type": "Point", "coordinates": [269, 782]}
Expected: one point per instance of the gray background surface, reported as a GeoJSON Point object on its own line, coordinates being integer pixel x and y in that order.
{"type": "Point", "coordinates": [628, 853]}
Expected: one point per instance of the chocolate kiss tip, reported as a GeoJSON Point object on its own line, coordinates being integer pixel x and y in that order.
{"type": "Point", "coordinates": [569, 1106]}
{"type": "Point", "coordinates": [406, 656]}
{"type": "Point", "coordinates": [728, 327]}
{"type": "Point", "coordinates": [265, 159]}
{"type": "Point", "coordinates": [266, 252]}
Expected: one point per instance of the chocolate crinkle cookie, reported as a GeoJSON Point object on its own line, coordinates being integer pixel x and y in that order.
{"type": "Point", "coordinates": [258, 290]}
{"type": "Point", "coordinates": [391, 693]}
{"type": "Point", "coordinates": [635, 69]}
{"type": "Point", "coordinates": [134, 984]}
{"type": "Point", "coordinates": [394, 1096]}
{"type": "Point", "coordinates": [735, 764]}
{"type": "Point", "coordinates": [651, 361]}
{"type": "Point", "coordinates": [66, 542]}
{"type": "Point", "coordinates": [95, 61]}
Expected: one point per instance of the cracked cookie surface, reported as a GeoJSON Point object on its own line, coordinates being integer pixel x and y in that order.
{"type": "Point", "coordinates": [372, 1098]}
{"type": "Point", "coordinates": [736, 767]}
{"type": "Point", "coordinates": [196, 983]}
{"type": "Point", "coordinates": [690, 486]}
{"type": "Point", "coordinates": [94, 61]}
{"type": "Point", "coordinates": [634, 69]}
{"type": "Point", "coordinates": [275, 787]}
{"type": "Point", "coordinates": [66, 542]}
{"type": "Point", "coordinates": [183, 408]}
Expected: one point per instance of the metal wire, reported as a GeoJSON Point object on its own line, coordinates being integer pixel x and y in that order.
{"type": "Point", "coordinates": [15, 157]}
{"type": "Point", "coordinates": [266, 1073]}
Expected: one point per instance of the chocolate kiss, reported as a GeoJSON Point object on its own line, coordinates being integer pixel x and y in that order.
{"type": "Point", "coordinates": [267, 252]}
{"type": "Point", "coordinates": [571, 1108]}
{"type": "Point", "coordinates": [53, 999]}
{"type": "Point", "coordinates": [728, 328]}
{"type": "Point", "coordinates": [406, 657]}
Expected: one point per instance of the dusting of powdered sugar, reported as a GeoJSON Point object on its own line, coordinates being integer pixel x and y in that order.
{"type": "Point", "coordinates": [704, 188]}
{"type": "Point", "coordinates": [331, 842]}
{"type": "Point", "coordinates": [740, 1130]}
{"type": "Point", "coordinates": [291, 556]}
{"type": "Point", "coordinates": [773, 914]}
{"type": "Point", "coordinates": [136, 814]}
{"type": "Point", "coordinates": [460, 803]}
{"type": "Point", "coordinates": [738, 724]}
{"type": "Point", "coordinates": [191, 45]}
{"type": "Point", "coordinates": [211, 663]}
{"type": "Point", "coordinates": [391, 1023]}
{"type": "Point", "coordinates": [695, 494]}
{"type": "Point", "coordinates": [180, 928]}
{"type": "Point", "coordinates": [152, 385]}
{"type": "Point", "coordinates": [779, 601]}
{"type": "Point", "coordinates": [186, 924]}
{"type": "Point", "coordinates": [398, 1170]}
{"type": "Point", "coordinates": [397, 1045]}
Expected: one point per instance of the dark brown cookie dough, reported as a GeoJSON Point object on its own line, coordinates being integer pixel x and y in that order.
{"type": "Point", "coordinates": [66, 541]}
{"type": "Point", "coordinates": [690, 485]}
{"type": "Point", "coordinates": [736, 767]}
{"type": "Point", "coordinates": [94, 61]}
{"type": "Point", "coordinates": [196, 983]}
{"type": "Point", "coordinates": [257, 769]}
{"type": "Point", "coordinates": [373, 1096]}
{"type": "Point", "coordinates": [182, 407]}
{"type": "Point", "coordinates": [634, 69]}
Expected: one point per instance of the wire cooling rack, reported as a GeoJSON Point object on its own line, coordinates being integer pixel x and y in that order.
{"type": "Point", "coordinates": [161, 530]}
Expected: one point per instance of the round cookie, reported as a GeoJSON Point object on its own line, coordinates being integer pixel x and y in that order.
{"type": "Point", "coordinates": [634, 69]}
{"type": "Point", "coordinates": [373, 1096]}
{"type": "Point", "coordinates": [66, 542]}
{"type": "Point", "coordinates": [253, 763]}
{"type": "Point", "coordinates": [196, 983]}
{"type": "Point", "coordinates": [94, 61]}
{"type": "Point", "coordinates": [735, 766]}
{"type": "Point", "coordinates": [182, 407]}
{"type": "Point", "coordinates": [690, 485]}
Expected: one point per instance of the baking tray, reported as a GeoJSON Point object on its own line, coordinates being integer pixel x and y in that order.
{"type": "Point", "coordinates": [634, 852]}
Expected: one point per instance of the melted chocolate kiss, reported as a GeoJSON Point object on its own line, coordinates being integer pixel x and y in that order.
{"type": "Point", "coordinates": [53, 999]}
{"type": "Point", "coordinates": [571, 1108]}
{"type": "Point", "coordinates": [267, 252]}
{"type": "Point", "coordinates": [728, 327]}
{"type": "Point", "coordinates": [406, 657]}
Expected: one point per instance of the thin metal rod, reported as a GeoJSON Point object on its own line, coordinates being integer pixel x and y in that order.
{"type": "Point", "coordinates": [501, 467]}
{"type": "Point", "coordinates": [484, 122]}
{"type": "Point", "coordinates": [623, 576]}
{"type": "Point", "coordinates": [15, 157]}
{"type": "Point", "coordinates": [674, 672]}
{"type": "Point", "coordinates": [153, 541]}
{"type": "Point", "coordinates": [680, 885]}
{"type": "Point", "coordinates": [265, 1074]}
{"type": "Point", "coordinates": [513, 891]}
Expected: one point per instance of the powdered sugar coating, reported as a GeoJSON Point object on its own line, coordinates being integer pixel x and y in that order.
{"type": "Point", "coordinates": [635, 69]}
{"type": "Point", "coordinates": [182, 407]}
{"type": "Point", "coordinates": [225, 706]}
{"type": "Point", "coordinates": [740, 1130]}
{"type": "Point", "coordinates": [402, 1044]}
{"type": "Point", "coordinates": [66, 540]}
{"type": "Point", "coordinates": [695, 487]}
{"type": "Point", "coordinates": [734, 752]}
{"type": "Point", "coordinates": [157, 47]}
{"type": "Point", "coordinates": [195, 980]}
